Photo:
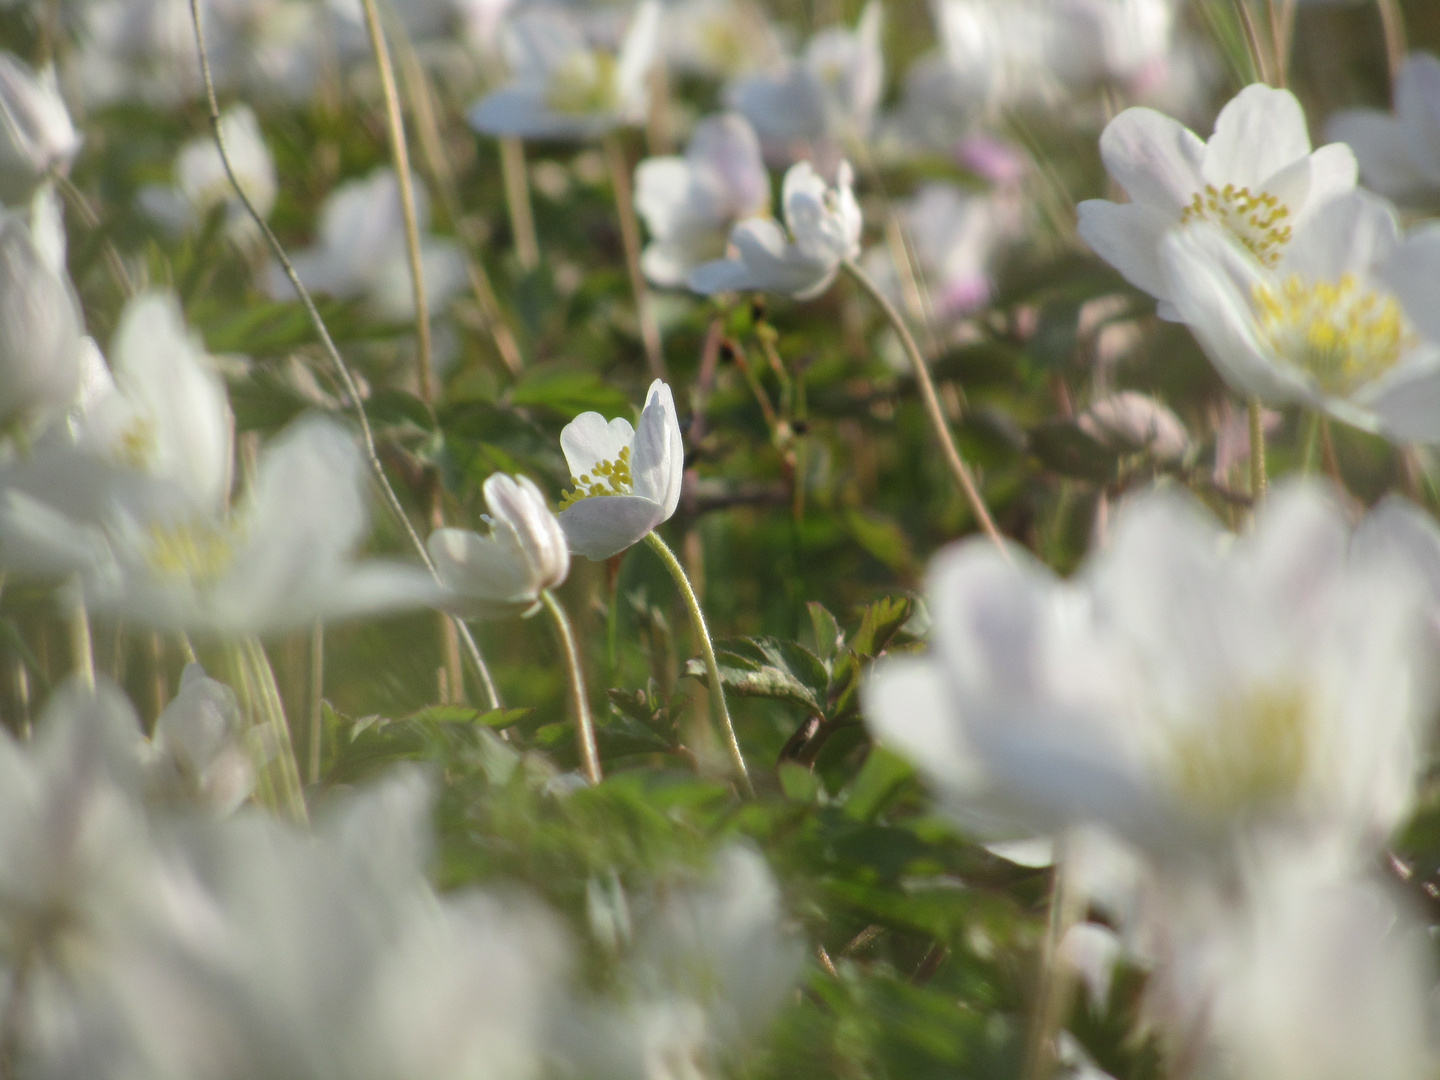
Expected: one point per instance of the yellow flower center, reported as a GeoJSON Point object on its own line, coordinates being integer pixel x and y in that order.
{"type": "Point", "coordinates": [1257, 221]}
{"type": "Point", "coordinates": [610, 478]}
{"type": "Point", "coordinates": [1254, 752]}
{"type": "Point", "coordinates": [136, 445]}
{"type": "Point", "coordinates": [196, 551]}
{"type": "Point", "coordinates": [584, 84]}
{"type": "Point", "coordinates": [1340, 331]}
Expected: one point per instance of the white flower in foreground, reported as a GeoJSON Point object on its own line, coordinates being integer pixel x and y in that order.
{"type": "Point", "coordinates": [823, 225]}
{"type": "Point", "coordinates": [627, 480]}
{"type": "Point", "coordinates": [525, 553]}
{"type": "Point", "coordinates": [829, 93]}
{"type": "Point", "coordinates": [361, 251]}
{"type": "Point", "coordinates": [1188, 690]}
{"type": "Point", "coordinates": [1399, 153]}
{"type": "Point", "coordinates": [202, 184]}
{"type": "Point", "coordinates": [563, 87]}
{"type": "Point", "coordinates": [40, 326]}
{"type": "Point", "coordinates": [281, 559]}
{"type": "Point", "coordinates": [1256, 178]}
{"type": "Point", "coordinates": [690, 202]}
{"type": "Point", "coordinates": [37, 137]}
{"type": "Point", "coordinates": [1327, 326]}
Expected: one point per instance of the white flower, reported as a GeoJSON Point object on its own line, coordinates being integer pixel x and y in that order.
{"type": "Point", "coordinates": [1256, 178]}
{"type": "Point", "coordinates": [525, 553]}
{"type": "Point", "coordinates": [563, 88]}
{"type": "Point", "coordinates": [361, 251]}
{"type": "Point", "coordinates": [829, 94]}
{"type": "Point", "coordinates": [202, 184]}
{"type": "Point", "coordinates": [824, 229]}
{"type": "Point", "coordinates": [40, 327]}
{"type": "Point", "coordinates": [281, 559]}
{"type": "Point", "coordinates": [690, 202]}
{"type": "Point", "coordinates": [719, 38]}
{"type": "Point", "coordinates": [1132, 422]}
{"type": "Point", "coordinates": [37, 137]}
{"type": "Point", "coordinates": [1190, 691]}
{"type": "Point", "coordinates": [627, 480]}
{"type": "Point", "coordinates": [1092, 41]}
{"type": "Point", "coordinates": [997, 50]}
{"type": "Point", "coordinates": [1326, 326]}
{"type": "Point", "coordinates": [1399, 154]}
{"type": "Point", "coordinates": [197, 755]}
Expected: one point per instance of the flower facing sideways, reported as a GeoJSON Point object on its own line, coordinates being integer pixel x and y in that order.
{"type": "Point", "coordinates": [1187, 691]}
{"type": "Point", "coordinates": [525, 553]}
{"type": "Point", "coordinates": [1399, 154]}
{"type": "Point", "coordinates": [1256, 178]}
{"type": "Point", "coordinates": [1333, 325]}
{"type": "Point", "coordinates": [823, 224]}
{"type": "Point", "coordinates": [627, 480]}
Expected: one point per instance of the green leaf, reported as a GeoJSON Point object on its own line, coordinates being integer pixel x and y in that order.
{"type": "Point", "coordinates": [883, 538]}
{"type": "Point", "coordinates": [880, 778]}
{"type": "Point", "coordinates": [770, 668]}
{"type": "Point", "coordinates": [569, 392]}
{"type": "Point", "coordinates": [825, 637]}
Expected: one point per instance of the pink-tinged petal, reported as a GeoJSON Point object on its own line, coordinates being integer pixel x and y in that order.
{"type": "Point", "coordinates": [1155, 159]}
{"type": "Point", "coordinates": [1261, 131]}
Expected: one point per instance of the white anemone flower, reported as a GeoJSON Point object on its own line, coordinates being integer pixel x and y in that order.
{"type": "Point", "coordinates": [1399, 153]}
{"type": "Point", "coordinates": [1256, 178]}
{"type": "Point", "coordinates": [720, 38]}
{"type": "Point", "coordinates": [37, 137]}
{"type": "Point", "coordinates": [1192, 692]}
{"type": "Point", "coordinates": [281, 559]}
{"type": "Point", "coordinates": [525, 553]}
{"type": "Point", "coordinates": [828, 94]}
{"type": "Point", "coordinates": [361, 252]}
{"type": "Point", "coordinates": [1326, 326]}
{"type": "Point", "coordinates": [202, 184]}
{"type": "Point", "coordinates": [627, 480]}
{"type": "Point", "coordinates": [690, 202]}
{"type": "Point", "coordinates": [823, 225]}
{"type": "Point", "coordinates": [197, 756]}
{"type": "Point", "coordinates": [563, 87]}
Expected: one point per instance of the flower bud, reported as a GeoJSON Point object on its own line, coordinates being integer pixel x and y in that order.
{"type": "Point", "coordinates": [36, 134]}
{"type": "Point", "coordinates": [40, 330]}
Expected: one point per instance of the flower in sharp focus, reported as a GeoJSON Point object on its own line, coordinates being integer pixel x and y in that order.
{"type": "Point", "coordinates": [525, 553]}
{"type": "Point", "coordinates": [563, 87]}
{"type": "Point", "coordinates": [689, 203]}
{"type": "Point", "coordinates": [202, 184]}
{"type": "Point", "coordinates": [823, 224]}
{"type": "Point", "coordinates": [1399, 153]}
{"type": "Point", "coordinates": [1189, 691]}
{"type": "Point", "coordinates": [1328, 325]}
{"type": "Point", "coordinates": [627, 480]}
{"type": "Point", "coordinates": [37, 137]}
{"type": "Point", "coordinates": [282, 558]}
{"type": "Point", "coordinates": [1256, 178]}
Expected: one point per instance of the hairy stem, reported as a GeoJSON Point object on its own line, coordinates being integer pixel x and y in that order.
{"type": "Point", "coordinates": [931, 401]}
{"type": "Point", "coordinates": [1258, 475]}
{"type": "Point", "coordinates": [579, 703]}
{"type": "Point", "coordinates": [347, 378]}
{"type": "Point", "coordinates": [630, 238]}
{"type": "Point", "coordinates": [707, 652]}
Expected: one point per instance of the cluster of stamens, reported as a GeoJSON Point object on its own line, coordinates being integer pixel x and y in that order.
{"type": "Point", "coordinates": [195, 551]}
{"type": "Point", "coordinates": [1254, 751]}
{"type": "Point", "coordinates": [606, 478]}
{"type": "Point", "coordinates": [136, 444]}
{"type": "Point", "coordinates": [1340, 331]}
{"type": "Point", "coordinates": [1257, 221]}
{"type": "Point", "coordinates": [585, 83]}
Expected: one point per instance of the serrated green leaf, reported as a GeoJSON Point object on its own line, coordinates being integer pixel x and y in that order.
{"type": "Point", "coordinates": [770, 668]}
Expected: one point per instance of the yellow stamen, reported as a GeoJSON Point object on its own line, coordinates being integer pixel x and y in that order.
{"type": "Point", "coordinates": [584, 83]}
{"type": "Point", "coordinates": [611, 478]}
{"type": "Point", "coordinates": [197, 551]}
{"type": "Point", "coordinates": [1254, 752]}
{"type": "Point", "coordinates": [1257, 221]}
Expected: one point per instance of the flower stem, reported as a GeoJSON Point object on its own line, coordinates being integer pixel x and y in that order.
{"type": "Point", "coordinates": [584, 724]}
{"type": "Point", "coordinates": [630, 237]}
{"type": "Point", "coordinates": [317, 700]}
{"type": "Point", "coordinates": [707, 652]}
{"type": "Point", "coordinates": [82, 651]}
{"type": "Point", "coordinates": [1392, 21]}
{"type": "Point", "coordinates": [517, 201]}
{"type": "Point", "coordinates": [1052, 993]}
{"type": "Point", "coordinates": [1258, 475]}
{"type": "Point", "coordinates": [931, 401]}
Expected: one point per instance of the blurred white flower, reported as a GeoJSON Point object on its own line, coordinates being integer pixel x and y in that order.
{"type": "Point", "coordinates": [1399, 153]}
{"type": "Point", "coordinates": [1190, 691]}
{"type": "Point", "coordinates": [830, 93]}
{"type": "Point", "coordinates": [40, 324]}
{"type": "Point", "coordinates": [1095, 41]}
{"type": "Point", "coordinates": [525, 553]}
{"type": "Point", "coordinates": [1133, 422]}
{"type": "Point", "coordinates": [1256, 178]}
{"type": "Point", "coordinates": [824, 226]}
{"type": "Point", "coordinates": [1326, 326]}
{"type": "Point", "coordinates": [197, 756]}
{"type": "Point", "coordinates": [563, 87]}
{"type": "Point", "coordinates": [719, 38]}
{"type": "Point", "coordinates": [361, 251]}
{"type": "Point", "coordinates": [690, 202]}
{"type": "Point", "coordinates": [627, 480]}
{"type": "Point", "coordinates": [201, 183]}
{"type": "Point", "coordinates": [281, 559]}
{"type": "Point", "coordinates": [996, 50]}
{"type": "Point", "coordinates": [37, 137]}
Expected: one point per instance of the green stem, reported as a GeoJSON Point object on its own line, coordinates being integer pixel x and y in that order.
{"type": "Point", "coordinates": [82, 651]}
{"type": "Point", "coordinates": [580, 704]}
{"type": "Point", "coordinates": [517, 201]}
{"type": "Point", "coordinates": [1257, 451]}
{"type": "Point", "coordinates": [931, 401]}
{"type": "Point", "coordinates": [707, 652]}
{"type": "Point", "coordinates": [317, 699]}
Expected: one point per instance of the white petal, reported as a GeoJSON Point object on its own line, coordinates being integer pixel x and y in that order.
{"type": "Point", "coordinates": [590, 439]}
{"type": "Point", "coordinates": [605, 525]}
{"type": "Point", "coordinates": [1154, 158]}
{"type": "Point", "coordinates": [1407, 401]}
{"type": "Point", "coordinates": [1417, 103]}
{"type": "Point", "coordinates": [488, 568]}
{"type": "Point", "coordinates": [658, 461]}
{"type": "Point", "coordinates": [1413, 274]}
{"type": "Point", "coordinates": [1382, 148]}
{"type": "Point", "coordinates": [1127, 236]}
{"type": "Point", "coordinates": [1349, 235]}
{"type": "Point", "coordinates": [1260, 132]}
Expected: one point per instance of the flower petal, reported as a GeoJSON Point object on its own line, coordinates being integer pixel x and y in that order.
{"type": "Point", "coordinates": [590, 439]}
{"type": "Point", "coordinates": [658, 461]}
{"type": "Point", "coordinates": [606, 525]}
{"type": "Point", "coordinates": [1155, 159]}
{"type": "Point", "coordinates": [1260, 132]}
